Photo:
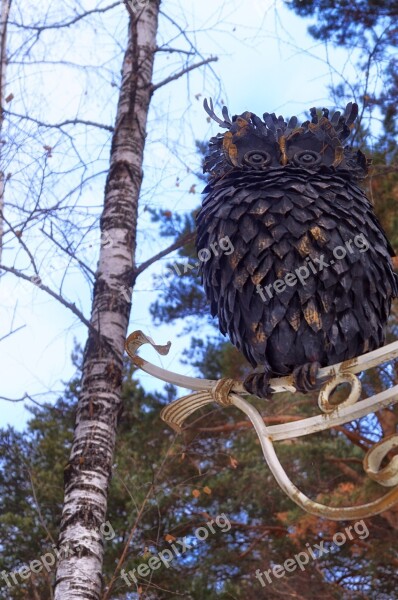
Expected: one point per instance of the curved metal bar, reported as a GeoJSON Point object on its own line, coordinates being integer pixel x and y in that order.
{"type": "Point", "coordinates": [224, 393]}
{"type": "Point", "coordinates": [338, 417]}
{"type": "Point", "coordinates": [388, 475]}
{"type": "Point", "coordinates": [330, 386]}
{"type": "Point", "coordinates": [280, 384]}
{"type": "Point", "coordinates": [341, 415]}
{"type": "Point", "coordinates": [321, 510]}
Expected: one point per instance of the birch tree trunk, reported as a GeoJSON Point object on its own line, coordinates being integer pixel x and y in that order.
{"type": "Point", "coordinates": [80, 549]}
{"type": "Point", "coordinates": [5, 10]}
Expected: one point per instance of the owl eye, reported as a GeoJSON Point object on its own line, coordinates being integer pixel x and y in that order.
{"type": "Point", "coordinates": [257, 158]}
{"type": "Point", "coordinates": [307, 158]}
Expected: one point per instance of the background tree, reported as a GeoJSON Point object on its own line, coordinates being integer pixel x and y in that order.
{"type": "Point", "coordinates": [368, 29]}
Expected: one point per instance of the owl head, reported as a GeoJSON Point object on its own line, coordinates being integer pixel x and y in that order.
{"type": "Point", "coordinates": [251, 143]}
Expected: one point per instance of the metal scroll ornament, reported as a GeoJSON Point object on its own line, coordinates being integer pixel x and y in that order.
{"type": "Point", "coordinates": [226, 392]}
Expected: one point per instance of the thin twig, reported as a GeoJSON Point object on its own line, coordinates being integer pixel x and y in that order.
{"type": "Point", "coordinates": [22, 399]}
{"type": "Point", "coordinates": [11, 332]}
{"type": "Point", "coordinates": [69, 253]}
{"type": "Point", "coordinates": [24, 246]}
{"type": "Point", "coordinates": [41, 518]}
{"type": "Point", "coordinates": [59, 125]}
{"type": "Point", "coordinates": [127, 544]}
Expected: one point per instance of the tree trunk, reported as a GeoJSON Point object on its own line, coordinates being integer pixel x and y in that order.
{"type": "Point", "coordinates": [88, 472]}
{"type": "Point", "coordinates": [5, 11]}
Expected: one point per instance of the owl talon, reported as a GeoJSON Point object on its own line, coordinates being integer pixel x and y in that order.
{"type": "Point", "coordinates": [304, 377]}
{"type": "Point", "coordinates": [258, 385]}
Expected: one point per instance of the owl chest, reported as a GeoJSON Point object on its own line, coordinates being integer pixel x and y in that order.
{"type": "Point", "coordinates": [300, 222]}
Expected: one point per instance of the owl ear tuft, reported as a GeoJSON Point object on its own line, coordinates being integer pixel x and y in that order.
{"type": "Point", "coordinates": [226, 123]}
{"type": "Point", "coordinates": [325, 112]}
{"type": "Point", "coordinates": [314, 116]}
{"type": "Point", "coordinates": [351, 113]}
{"type": "Point", "coordinates": [343, 123]}
{"type": "Point", "coordinates": [270, 121]}
{"type": "Point", "coordinates": [335, 119]}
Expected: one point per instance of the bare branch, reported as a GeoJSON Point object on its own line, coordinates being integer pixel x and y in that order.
{"type": "Point", "coordinates": [18, 235]}
{"type": "Point", "coordinates": [184, 71]}
{"type": "Point", "coordinates": [184, 34]}
{"type": "Point", "coordinates": [38, 283]}
{"type": "Point", "coordinates": [63, 123]}
{"type": "Point", "coordinates": [189, 237]}
{"type": "Point", "coordinates": [11, 332]}
{"type": "Point", "coordinates": [69, 252]}
{"type": "Point", "coordinates": [346, 470]}
{"type": "Point", "coordinates": [22, 399]}
{"type": "Point", "coordinates": [166, 49]}
{"type": "Point", "coordinates": [39, 28]}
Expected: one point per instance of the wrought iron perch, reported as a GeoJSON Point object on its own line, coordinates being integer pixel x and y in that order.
{"type": "Point", "coordinates": [227, 392]}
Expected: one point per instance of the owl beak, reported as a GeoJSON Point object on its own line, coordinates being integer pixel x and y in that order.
{"type": "Point", "coordinates": [282, 146]}
{"type": "Point", "coordinates": [338, 156]}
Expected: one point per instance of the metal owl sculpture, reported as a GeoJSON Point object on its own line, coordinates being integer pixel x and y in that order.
{"type": "Point", "coordinates": [309, 282]}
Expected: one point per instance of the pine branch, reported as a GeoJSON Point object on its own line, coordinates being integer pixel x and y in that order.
{"type": "Point", "coordinates": [245, 424]}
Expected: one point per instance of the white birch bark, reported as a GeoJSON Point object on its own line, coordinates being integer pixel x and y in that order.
{"type": "Point", "coordinates": [5, 10]}
{"type": "Point", "coordinates": [89, 469]}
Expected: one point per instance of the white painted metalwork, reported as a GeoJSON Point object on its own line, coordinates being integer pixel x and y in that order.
{"type": "Point", "coordinates": [228, 392]}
